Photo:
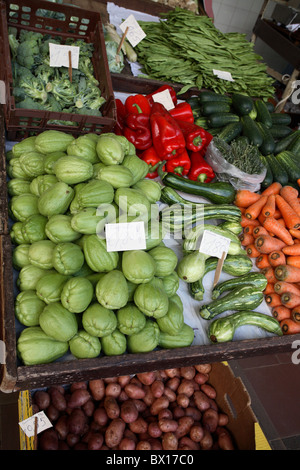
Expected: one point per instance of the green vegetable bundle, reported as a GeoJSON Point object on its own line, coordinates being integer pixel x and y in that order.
{"type": "Point", "coordinates": [185, 48]}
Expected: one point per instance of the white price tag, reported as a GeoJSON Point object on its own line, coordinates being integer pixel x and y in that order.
{"type": "Point", "coordinates": [135, 33]}
{"type": "Point", "coordinates": [125, 236]}
{"type": "Point", "coordinates": [164, 97]}
{"type": "Point", "coordinates": [223, 75]}
{"type": "Point", "coordinates": [28, 425]}
{"type": "Point", "coordinates": [59, 55]}
{"type": "Point", "coordinates": [213, 244]}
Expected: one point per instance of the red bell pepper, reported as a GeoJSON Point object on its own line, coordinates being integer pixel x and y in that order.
{"type": "Point", "coordinates": [136, 104]}
{"type": "Point", "coordinates": [180, 164]}
{"type": "Point", "coordinates": [200, 170]}
{"type": "Point", "coordinates": [196, 137]}
{"type": "Point", "coordinates": [121, 113]}
{"type": "Point", "coordinates": [183, 112]}
{"type": "Point", "coordinates": [137, 130]}
{"type": "Point", "coordinates": [152, 159]}
{"type": "Point", "coordinates": [167, 136]}
{"type": "Point", "coordinates": [163, 88]}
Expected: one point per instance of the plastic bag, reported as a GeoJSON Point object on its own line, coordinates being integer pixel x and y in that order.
{"type": "Point", "coordinates": [224, 171]}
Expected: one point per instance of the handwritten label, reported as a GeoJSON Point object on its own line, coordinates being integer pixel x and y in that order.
{"type": "Point", "coordinates": [223, 75]}
{"type": "Point", "coordinates": [164, 97]}
{"type": "Point", "coordinates": [28, 425]}
{"type": "Point", "coordinates": [135, 33]}
{"type": "Point", "coordinates": [213, 244]}
{"type": "Point", "coordinates": [125, 236]}
{"type": "Point", "coordinates": [59, 55]}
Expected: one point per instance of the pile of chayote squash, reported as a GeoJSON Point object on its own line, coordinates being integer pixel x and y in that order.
{"type": "Point", "coordinates": [73, 294]}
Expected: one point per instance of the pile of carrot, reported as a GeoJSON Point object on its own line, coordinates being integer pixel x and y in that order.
{"type": "Point", "coordinates": [271, 235]}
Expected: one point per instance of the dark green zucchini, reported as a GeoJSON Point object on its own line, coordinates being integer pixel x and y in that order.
{"type": "Point", "coordinates": [282, 119]}
{"type": "Point", "coordinates": [212, 96]}
{"type": "Point", "coordinates": [221, 119]}
{"type": "Point", "coordinates": [287, 162]}
{"type": "Point", "coordinates": [294, 147]}
{"type": "Point", "coordinates": [269, 175]}
{"type": "Point", "coordinates": [201, 121]}
{"type": "Point", "coordinates": [242, 104]}
{"type": "Point", "coordinates": [231, 131]}
{"type": "Point", "coordinates": [270, 107]}
{"type": "Point", "coordinates": [280, 131]}
{"type": "Point", "coordinates": [284, 143]}
{"type": "Point", "coordinates": [263, 114]}
{"type": "Point", "coordinates": [279, 173]}
{"type": "Point", "coordinates": [251, 130]}
{"type": "Point", "coordinates": [268, 144]}
{"type": "Point", "coordinates": [212, 107]}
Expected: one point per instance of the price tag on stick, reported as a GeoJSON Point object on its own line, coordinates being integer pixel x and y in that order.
{"type": "Point", "coordinates": [60, 57]}
{"type": "Point", "coordinates": [35, 424]}
{"type": "Point", "coordinates": [213, 244]}
{"type": "Point", "coordinates": [135, 33]}
{"type": "Point", "coordinates": [125, 236]}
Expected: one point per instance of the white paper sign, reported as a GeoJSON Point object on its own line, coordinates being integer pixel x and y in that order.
{"type": "Point", "coordinates": [28, 425]}
{"type": "Point", "coordinates": [164, 97]}
{"type": "Point", "coordinates": [59, 55]}
{"type": "Point", "coordinates": [223, 75]}
{"type": "Point", "coordinates": [125, 236]}
{"type": "Point", "coordinates": [135, 33]}
{"type": "Point", "coordinates": [213, 244]}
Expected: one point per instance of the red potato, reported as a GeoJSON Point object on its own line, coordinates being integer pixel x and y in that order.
{"type": "Point", "coordinates": [178, 412]}
{"type": "Point", "coordinates": [127, 444]}
{"type": "Point", "coordinates": [207, 441]}
{"type": "Point", "coordinates": [114, 433]}
{"type": "Point", "coordinates": [148, 398]}
{"type": "Point", "coordinates": [155, 444]}
{"type": "Point", "coordinates": [225, 441]}
{"type": "Point", "coordinates": [158, 405]}
{"type": "Point", "coordinates": [184, 425]}
{"type": "Point", "coordinates": [209, 390]}
{"type": "Point", "coordinates": [77, 421]}
{"type": "Point", "coordinates": [78, 385]}
{"type": "Point", "coordinates": [48, 440]}
{"type": "Point", "coordinates": [62, 445]}
{"type": "Point", "coordinates": [113, 389]}
{"type": "Point", "coordinates": [223, 419]}
{"type": "Point", "coordinates": [112, 407]}
{"type": "Point", "coordinates": [143, 445]}
{"type": "Point", "coordinates": [100, 416]}
{"type": "Point", "coordinates": [154, 430]}
{"type": "Point", "coordinates": [203, 368]}
{"type": "Point", "coordinates": [42, 399]}
{"type": "Point", "coordinates": [201, 400]}
{"type": "Point", "coordinates": [139, 426]}
{"type": "Point", "coordinates": [140, 405]}
{"type": "Point", "coordinates": [196, 433]}
{"type": "Point", "coordinates": [134, 391]}
{"type": "Point", "coordinates": [168, 425]}
{"type": "Point", "coordinates": [165, 413]}
{"type": "Point", "coordinates": [89, 408]}
{"type": "Point", "coordinates": [58, 399]}
{"type": "Point", "coordinates": [187, 387]}
{"type": "Point", "coordinates": [97, 389]}
{"type": "Point", "coordinates": [157, 388]}
{"type": "Point", "coordinates": [187, 372]}
{"type": "Point", "coordinates": [186, 443]}
{"type": "Point", "coordinates": [183, 400]}
{"type": "Point", "coordinates": [147, 378]}
{"type": "Point", "coordinates": [173, 372]}
{"type": "Point", "coordinates": [124, 380]}
{"type": "Point", "coordinates": [78, 398]}
{"type": "Point", "coordinates": [173, 383]}
{"type": "Point", "coordinates": [201, 378]}
{"type": "Point", "coordinates": [170, 394]}
{"type": "Point", "coordinates": [61, 427]}
{"type": "Point", "coordinates": [52, 413]}
{"type": "Point", "coordinates": [169, 441]}
{"type": "Point", "coordinates": [129, 411]}
{"type": "Point", "coordinates": [210, 419]}
{"type": "Point", "coordinates": [95, 442]}
{"type": "Point", "coordinates": [123, 396]}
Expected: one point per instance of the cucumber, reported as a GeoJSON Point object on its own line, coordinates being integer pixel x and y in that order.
{"type": "Point", "coordinates": [280, 131]}
{"type": "Point", "coordinates": [201, 121]}
{"type": "Point", "coordinates": [221, 119]}
{"type": "Point", "coordinates": [279, 173]}
{"type": "Point", "coordinates": [269, 175]}
{"type": "Point", "coordinates": [195, 104]}
{"type": "Point", "coordinates": [294, 147]}
{"type": "Point", "coordinates": [212, 107]}
{"type": "Point", "coordinates": [270, 107]}
{"type": "Point", "coordinates": [263, 114]}
{"type": "Point", "coordinates": [212, 96]}
{"type": "Point", "coordinates": [292, 169]}
{"type": "Point", "coordinates": [283, 119]}
{"type": "Point", "coordinates": [231, 131]}
{"type": "Point", "coordinates": [284, 143]}
{"type": "Point", "coordinates": [268, 144]}
{"type": "Point", "coordinates": [251, 130]}
{"type": "Point", "coordinates": [242, 104]}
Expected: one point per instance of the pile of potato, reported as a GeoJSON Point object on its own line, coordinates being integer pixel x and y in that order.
{"type": "Point", "coordinates": [173, 409]}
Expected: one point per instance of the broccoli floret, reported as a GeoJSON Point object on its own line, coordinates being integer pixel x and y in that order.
{"type": "Point", "coordinates": [20, 72]}
{"type": "Point", "coordinates": [86, 48]}
{"type": "Point", "coordinates": [28, 54]}
{"type": "Point", "coordinates": [19, 94]}
{"type": "Point", "coordinates": [44, 73]}
{"type": "Point", "coordinates": [29, 103]}
{"type": "Point", "coordinates": [63, 90]}
{"type": "Point", "coordinates": [64, 74]}
{"type": "Point", "coordinates": [34, 89]}
{"type": "Point", "coordinates": [88, 111]}
{"type": "Point", "coordinates": [85, 66]}
{"type": "Point", "coordinates": [52, 104]}
{"type": "Point", "coordinates": [44, 48]}
{"type": "Point", "coordinates": [89, 98]}
{"type": "Point", "coordinates": [13, 44]}
{"type": "Point", "coordinates": [30, 35]}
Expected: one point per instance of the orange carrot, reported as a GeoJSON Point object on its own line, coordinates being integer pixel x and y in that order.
{"type": "Point", "coordinates": [295, 233]}
{"type": "Point", "coordinates": [281, 312]}
{"type": "Point", "coordinates": [259, 230]}
{"type": "Point", "coordinates": [269, 288]}
{"type": "Point", "coordinates": [273, 300]}
{"type": "Point", "coordinates": [290, 327]}
{"type": "Point", "coordinates": [246, 239]}
{"type": "Point", "coordinates": [272, 225]}
{"type": "Point", "coordinates": [245, 198]}
{"type": "Point", "coordinates": [245, 222]}
{"type": "Point", "coordinates": [276, 258]}
{"type": "Point", "coordinates": [252, 251]}
{"type": "Point", "coordinates": [277, 214]}
{"type": "Point", "coordinates": [287, 273]}
{"type": "Point", "coordinates": [290, 195]}
{"type": "Point", "coordinates": [254, 210]}
{"type": "Point", "coordinates": [261, 218]}
{"type": "Point", "coordinates": [281, 287]}
{"type": "Point", "coordinates": [269, 208]}
{"type": "Point", "coordinates": [269, 274]}
{"type": "Point", "coordinates": [295, 314]}
{"type": "Point", "coordinates": [267, 244]}
{"type": "Point", "coordinates": [291, 218]}
{"type": "Point", "coordinates": [249, 229]}
{"type": "Point", "coordinates": [296, 241]}
{"type": "Point", "coordinates": [291, 250]}
{"type": "Point", "coordinates": [262, 261]}
{"type": "Point", "coordinates": [274, 188]}
{"type": "Point", "coordinates": [293, 261]}
{"type": "Point", "coordinates": [290, 300]}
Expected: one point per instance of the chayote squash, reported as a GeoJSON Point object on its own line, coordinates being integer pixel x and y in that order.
{"type": "Point", "coordinates": [87, 220]}
{"type": "Point", "coordinates": [73, 170]}
{"type": "Point", "coordinates": [33, 228]}
{"type": "Point", "coordinates": [183, 339]}
{"type": "Point", "coordinates": [20, 256]}
{"type": "Point", "coordinates": [29, 276]}
{"type": "Point", "coordinates": [137, 166]}
{"type": "Point", "coordinates": [25, 145]}
{"type": "Point", "coordinates": [165, 259]}
{"type": "Point", "coordinates": [68, 258]}
{"type": "Point", "coordinates": [177, 299]}
{"type": "Point", "coordinates": [151, 300]}
{"type": "Point", "coordinates": [28, 307]}
{"type": "Point", "coordinates": [98, 320]}
{"type": "Point", "coordinates": [77, 294]}
{"type": "Point", "coordinates": [41, 254]}
{"type": "Point", "coordinates": [117, 175]}
{"type": "Point", "coordinates": [34, 346]}
{"type": "Point", "coordinates": [173, 321]}
{"type": "Point", "coordinates": [109, 150]}
{"type": "Point", "coordinates": [41, 183]}
{"type": "Point", "coordinates": [18, 186]}
{"type": "Point", "coordinates": [59, 229]}
{"type": "Point", "coordinates": [138, 266]}
{"type": "Point", "coordinates": [133, 202]}
{"type": "Point", "coordinates": [96, 255]}
{"type": "Point", "coordinates": [84, 346]}
{"type": "Point", "coordinates": [114, 344]}
{"type": "Point", "coordinates": [56, 141]}
{"type": "Point", "coordinates": [130, 319]}
{"type": "Point", "coordinates": [24, 206]}
{"type": "Point", "coordinates": [50, 159]}
{"type": "Point", "coordinates": [191, 267]}
{"type": "Point", "coordinates": [56, 199]}
{"type": "Point", "coordinates": [32, 163]}
{"type": "Point", "coordinates": [58, 323]}
{"type": "Point", "coordinates": [84, 147]}
{"type": "Point", "coordinates": [50, 286]}
{"type": "Point", "coordinates": [145, 340]}
{"type": "Point", "coordinates": [94, 193]}
{"type": "Point", "coordinates": [154, 234]}
{"type": "Point", "coordinates": [14, 170]}
{"type": "Point", "coordinates": [151, 189]}
{"type": "Point", "coordinates": [16, 234]}
{"type": "Point", "coordinates": [171, 283]}
{"type": "Point", "coordinates": [112, 291]}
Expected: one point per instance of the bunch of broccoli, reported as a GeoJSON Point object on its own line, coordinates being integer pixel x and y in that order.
{"type": "Point", "coordinates": [36, 85]}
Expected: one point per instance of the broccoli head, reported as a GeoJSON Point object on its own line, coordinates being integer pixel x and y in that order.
{"type": "Point", "coordinates": [63, 90]}
{"type": "Point", "coordinates": [34, 88]}
{"type": "Point", "coordinates": [89, 98]}
{"type": "Point", "coordinates": [86, 67]}
{"type": "Point", "coordinates": [89, 112]}
{"type": "Point", "coordinates": [20, 72]}
{"type": "Point", "coordinates": [29, 103]}
{"type": "Point", "coordinates": [28, 54]}
{"type": "Point", "coordinates": [86, 48]}
{"type": "Point", "coordinates": [44, 73]}
{"type": "Point", "coordinates": [30, 35]}
{"type": "Point", "coordinates": [52, 104]}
